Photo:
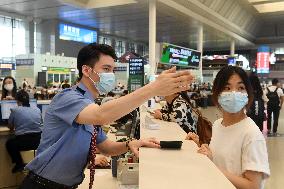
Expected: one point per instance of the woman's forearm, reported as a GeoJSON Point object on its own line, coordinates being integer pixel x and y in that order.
{"type": "Point", "coordinates": [242, 182]}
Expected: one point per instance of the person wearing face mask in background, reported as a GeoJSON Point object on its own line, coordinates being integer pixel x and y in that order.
{"type": "Point", "coordinates": [1, 86]}
{"type": "Point", "coordinates": [9, 88]}
{"type": "Point", "coordinates": [237, 146]}
{"type": "Point", "coordinates": [71, 128]}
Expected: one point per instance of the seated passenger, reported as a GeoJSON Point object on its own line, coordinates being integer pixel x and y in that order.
{"type": "Point", "coordinates": [9, 88]}
{"type": "Point", "coordinates": [26, 122]}
{"type": "Point", "coordinates": [178, 109]}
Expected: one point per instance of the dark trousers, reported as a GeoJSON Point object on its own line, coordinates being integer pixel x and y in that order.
{"type": "Point", "coordinates": [22, 143]}
{"type": "Point", "coordinates": [33, 181]}
{"type": "Point", "coordinates": [31, 184]}
{"type": "Point", "coordinates": [275, 111]}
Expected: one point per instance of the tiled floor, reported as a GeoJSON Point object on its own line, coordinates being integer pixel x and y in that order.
{"type": "Point", "coordinates": [275, 147]}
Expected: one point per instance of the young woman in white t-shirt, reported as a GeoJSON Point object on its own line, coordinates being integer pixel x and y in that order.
{"type": "Point", "coordinates": [237, 146]}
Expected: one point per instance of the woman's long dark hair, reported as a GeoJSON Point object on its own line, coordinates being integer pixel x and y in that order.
{"type": "Point", "coordinates": [184, 95]}
{"type": "Point", "coordinates": [255, 85]}
{"type": "Point", "coordinates": [5, 92]}
{"type": "Point", "coordinates": [23, 97]}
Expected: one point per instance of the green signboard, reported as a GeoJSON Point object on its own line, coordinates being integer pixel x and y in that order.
{"type": "Point", "coordinates": [180, 56]}
{"type": "Point", "coordinates": [136, 73]}
{"type": "Point", "coordinates": [58, 70]}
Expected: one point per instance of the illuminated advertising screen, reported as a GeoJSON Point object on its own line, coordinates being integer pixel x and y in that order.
{"type": "Point", "coordinates": [136, 73]}
{"type": "Point", "coordinates": [231, 61]}
{"type": "Point", "coordinates": [7, 66]}
{"type": "Point", "coordinates": [263, 59]}
{"type": "Point", "coordinates": [72, 33]}
{"type": "Point", "coordinates": [262, 62]}
{"type": "Point", "coordinates": [180, 56]}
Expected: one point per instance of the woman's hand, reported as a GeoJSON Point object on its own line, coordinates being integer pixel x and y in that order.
{"type": "Point", "coordinates": [171, 82]}
{"type": "Point", "coordinates": [194, 137]}
{"type": "Point", "coordinates": [101, 161]}
{"type": "Point", "coordinates": [205, 150]}
{"type": "Point", "coordinates": [134, 145]}
{"type": "Point", "coordinates": [157, 114]}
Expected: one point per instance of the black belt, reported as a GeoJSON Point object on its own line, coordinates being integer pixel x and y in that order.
{"type": "Point", "coordinates": [48, 183]}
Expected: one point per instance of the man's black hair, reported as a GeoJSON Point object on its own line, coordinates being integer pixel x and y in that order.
{"type": "Point", "coordinates": [23, 97]}
{"type": "Point", "coordinates": [274, 81]}
{"type": "Point", "coordinates": [91, 53]}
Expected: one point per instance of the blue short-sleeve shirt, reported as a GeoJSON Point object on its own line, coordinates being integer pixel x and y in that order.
{"type": "Point", "coordinates": [25, 120]}
{"type": "Point", "coordinates": [64, 147]}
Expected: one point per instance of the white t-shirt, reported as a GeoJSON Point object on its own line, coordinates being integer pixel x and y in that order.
{"type": "Point", "coordinates": [239, 147]}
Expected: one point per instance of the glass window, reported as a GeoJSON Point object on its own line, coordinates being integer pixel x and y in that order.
{"type": "Point", "coordinates": [50, 78]}
{"type": "Point", "coordinates": [13, 39]}
{"type": "Point", "coordinates": [67, 76]}
{"type": "Point", "coordinates": [119, 47]}
{"type": "Point", "coordinates": [132, 47]}
{"type": "Point", "coordinates": [104, 40]}
{"type": "Point", "coordinates": [56, 77]}
{"type": "Point", "coordinates": [144, 50]}
{"type": "Point", "coordinates": [62, 77]}
{"type": "Point", "coordinates": [73, 77]}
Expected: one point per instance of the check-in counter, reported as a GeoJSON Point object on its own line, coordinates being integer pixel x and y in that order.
{"type": "Point", "coordinates": [179, 169]}
{"type": "Point", "coordinates": [168, 169]}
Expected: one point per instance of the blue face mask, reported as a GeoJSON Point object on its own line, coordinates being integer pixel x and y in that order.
{"type": "Point", "coordinates": [106, 83]}
{"type": "Point", "coordinates": [233, 102]}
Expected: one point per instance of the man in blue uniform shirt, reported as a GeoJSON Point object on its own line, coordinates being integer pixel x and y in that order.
{"type": "Point", "coordinates": [26, 121]}
{"type": "Point", "coordinates": [71, 129]}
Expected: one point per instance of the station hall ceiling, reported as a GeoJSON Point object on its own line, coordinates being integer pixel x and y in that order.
{"type": "Point", "coordinates": [177, 20]}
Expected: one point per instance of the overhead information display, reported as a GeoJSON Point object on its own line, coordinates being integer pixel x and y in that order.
{"type": "Point", "coordinates": [180, 56]}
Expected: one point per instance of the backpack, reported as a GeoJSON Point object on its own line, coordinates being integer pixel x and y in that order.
{"type": "Point", "coordinates": [273, 98]}
{"type": "Point", "coordinates": [204, 128]}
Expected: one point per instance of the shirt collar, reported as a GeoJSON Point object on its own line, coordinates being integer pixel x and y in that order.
{"type": "Point", "coordinates": [87, 93]}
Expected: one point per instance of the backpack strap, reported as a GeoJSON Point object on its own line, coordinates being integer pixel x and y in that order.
{"type": "Point", "coordinates": [267, 89]}
{"type": "Point", "coordinates": [276, 89]}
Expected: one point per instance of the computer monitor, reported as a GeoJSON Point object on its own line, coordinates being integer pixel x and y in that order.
{"type": "Point", "coordinates": [7, 105]}
{"type": "Point", "coordinates": [129, 129]}
{"type": "Point", "coordinates": [135, 129]}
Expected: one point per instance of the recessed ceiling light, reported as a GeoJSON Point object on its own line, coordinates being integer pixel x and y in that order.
{"type": "Point", "coordinates": [270, 7]}
{"type": "Point", "coordinates": [256, 1]}
{"type": "Point", "coordinates": [92, 4]}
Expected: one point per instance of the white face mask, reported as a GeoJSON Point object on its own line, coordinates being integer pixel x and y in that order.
{"type": "Point", "coordinates": [9, 87]}
{"type": "Point", "coordinates": [233, 102]}
{"type": "Point", "coordinates": [106, 83]}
